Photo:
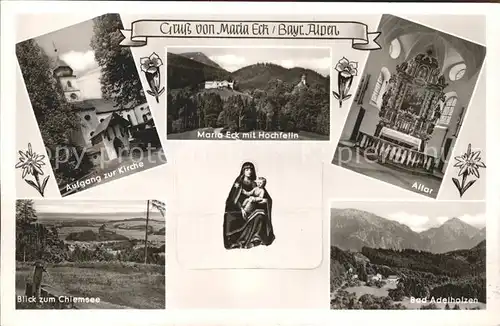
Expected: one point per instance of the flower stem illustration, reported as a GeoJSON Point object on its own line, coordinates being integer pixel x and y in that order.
{"type": "Point", "coordinates": [31, 163]}
{"type": "Point", "coordinates": [346, 71]}
{"type": "Point", "coordinates": [469, 164]}
{"type": "Point", "coordinates": [151, 68]}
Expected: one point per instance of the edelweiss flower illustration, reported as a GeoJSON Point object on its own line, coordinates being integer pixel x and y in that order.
{"type": "Point", "coordinates": [150, 66]}
{"type": "Point", "coordinates": [32, 163]}
{"type": "Point", "coordinates": [346, 71]}
{"type": "Point", "coordinates": [469, 164]}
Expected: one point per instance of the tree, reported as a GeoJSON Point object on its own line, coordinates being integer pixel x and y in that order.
{"type": "Point", "coordinates": [146, 237]}
{"type": "Point", "coordinates": [171, 111]}
{"type": "Point", "coordinates": [160, 206]}
{"type": "Point", "coordinates": [34, 240]}
{"type": "Point", "coordinates": [25, 216]}
{"type": "Point", "coordinates": [119, 78]}
{"type": "Point", "coordinates": [270, 115]}
{"type": "Point", "coordinates": [362, 272]}
{"type": "Point", "coordinates": [221, 119]}
{"type": "Point", "coordinates": [212, 106]}
{"type": "Point", "coordinates": [53, 113]}
{"type": "Point", "coordinates": [25, 211]}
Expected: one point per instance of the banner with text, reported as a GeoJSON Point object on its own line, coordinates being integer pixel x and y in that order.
{"type": "Point", "coordinates": [141, 30]}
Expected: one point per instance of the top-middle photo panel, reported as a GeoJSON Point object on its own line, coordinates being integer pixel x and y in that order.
{"type": "Point", "coordinates": [257, 93]}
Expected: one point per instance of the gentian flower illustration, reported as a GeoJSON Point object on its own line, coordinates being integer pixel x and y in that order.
{"type": "Point", "coordinates": [469, 164]}
{"type": "Point", "coordinates": [346, 71]}
{"type": "Point", "coordinates": [151, 68]}
{"type": "Point", "coordinates": [32, 163]}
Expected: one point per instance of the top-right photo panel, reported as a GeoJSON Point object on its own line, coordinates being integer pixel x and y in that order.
{"type": "Point", "coordinates": [411, 104]}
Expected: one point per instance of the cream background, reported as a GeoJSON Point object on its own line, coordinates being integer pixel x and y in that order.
{"type": "Point", "coordinates": [294, 184]}
{"type": "Point", "coordinates": [243, 289]}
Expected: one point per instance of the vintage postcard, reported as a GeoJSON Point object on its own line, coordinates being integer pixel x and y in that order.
{"type": "Point", "coordinates": [250, 210]}
{"type": "Point", "coordinates": [255, 93]}
{"type": "Point", "coordinates": [410, 107]}
{"type": "Point", "coordinates": [90, 108]}
{"type": "Point", "coordinates": [330, 104]}
{"type": "Point", "coordinates": [73, 254]}
{"type": "Point", "coordinates": [408, 255]}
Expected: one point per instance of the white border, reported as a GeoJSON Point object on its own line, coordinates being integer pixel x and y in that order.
{"type": "Point", "coordinates": [244, 317]}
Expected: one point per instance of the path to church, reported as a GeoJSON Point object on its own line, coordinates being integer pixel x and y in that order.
{"type": "Point", "coordinates": [375, 170]}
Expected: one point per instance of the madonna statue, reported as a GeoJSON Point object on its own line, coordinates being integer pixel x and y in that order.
{"type": "Point", "coordinates": [247, 215]}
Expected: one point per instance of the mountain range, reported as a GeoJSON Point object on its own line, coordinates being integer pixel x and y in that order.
{"type": "Point", "coordinates": [353, 229]}
{"type": "Point", "coordinates": [192, 68]}
{"type": "Point", "coordinates": [202, 58]}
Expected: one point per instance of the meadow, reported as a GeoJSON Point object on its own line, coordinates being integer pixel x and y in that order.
{"type": "Point", "coordinates": [364, 289]}
{"type": "Point", "coordinates": [129, 229]}
{"type": "Point", "coordinates": [117, 284]}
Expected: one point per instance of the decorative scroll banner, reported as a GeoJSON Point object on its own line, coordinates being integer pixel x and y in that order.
{"type": "Point", "coordinates": [141, 30]}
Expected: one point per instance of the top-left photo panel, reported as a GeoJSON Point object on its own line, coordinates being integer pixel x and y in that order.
{"type": "Point", "coordinates": [88, 102]}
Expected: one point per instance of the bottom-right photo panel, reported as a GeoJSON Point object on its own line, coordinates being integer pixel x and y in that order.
{"type": "Point", "coordinates": [408, 255]}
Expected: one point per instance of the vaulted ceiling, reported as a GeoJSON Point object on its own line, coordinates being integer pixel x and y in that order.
{"type": "Point", "coordinates": [416, 38]}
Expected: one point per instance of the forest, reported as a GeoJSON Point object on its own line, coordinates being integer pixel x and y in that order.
{"type": "Point", "coordinates": [264, 97]}
{"type": "Point", "coordinates": [422, 274]}
{"type": "Point", "coordinates": [347, 300]}
{"type": "Point", "coordinates": [275, 108]}
{"type": "Point", "coordinates": [438, 264]}
{"type": "Point", "coordinates": [35, 241]}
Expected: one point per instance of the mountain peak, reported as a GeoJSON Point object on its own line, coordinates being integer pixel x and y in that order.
{"type": "Point", "coordinates": [354, 229]}
{"type": "Point", "coordinates": [481, 244]}
{"type": "Point", "coordinates": [455, 222]}
{"type": "Point", "coordinates": [200, 57]}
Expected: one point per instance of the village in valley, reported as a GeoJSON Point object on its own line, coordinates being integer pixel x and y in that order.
{"type": "Point", "coordinates": [380, 263]}
{"type": "Point", "coordinates": [378, 280]}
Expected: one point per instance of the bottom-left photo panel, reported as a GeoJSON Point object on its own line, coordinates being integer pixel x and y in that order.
{"type": "Point", "coordinates": [90, 254]}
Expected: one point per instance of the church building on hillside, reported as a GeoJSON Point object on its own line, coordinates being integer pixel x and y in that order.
{"type": "Point", "coordinates": [214, 84]}
{"type": "Point", "coordinates": [301, 85]}
{"type": "Point", "coordinates": [106, 130]}
{"type": "Point", "coordinates": [302, 82]}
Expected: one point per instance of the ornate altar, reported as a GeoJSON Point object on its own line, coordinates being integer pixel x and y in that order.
{"type": "Point", "coordinates": [411, 102]}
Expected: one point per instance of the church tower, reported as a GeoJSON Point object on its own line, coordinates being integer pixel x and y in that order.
{"type": "Point", "coordinates": [64, 74]}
